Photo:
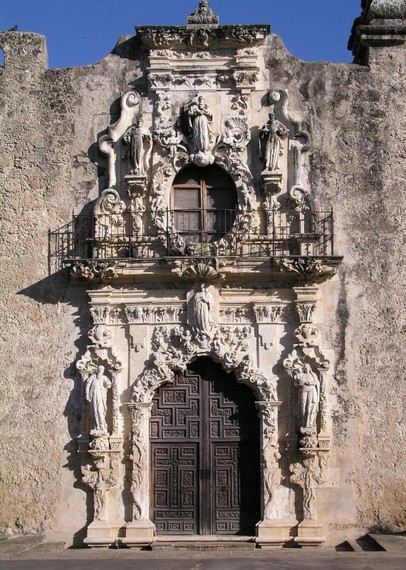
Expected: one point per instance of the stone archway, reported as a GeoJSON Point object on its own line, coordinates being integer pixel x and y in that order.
{"type": "Point", "coordinates": [205, 454]}
{"type": "Point", "coordinates": [172, 354]}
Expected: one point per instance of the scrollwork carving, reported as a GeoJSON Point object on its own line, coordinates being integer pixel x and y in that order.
{"type": "Point", "coordinates": [308, 268]}
{"type": "Point", "coordinates": [100, 336]}
{"type": "Point", "coordinates": [103, 271]}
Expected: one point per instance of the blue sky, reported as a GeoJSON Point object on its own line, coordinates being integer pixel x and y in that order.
{"type": "Point", "coordinates": [80, 32]}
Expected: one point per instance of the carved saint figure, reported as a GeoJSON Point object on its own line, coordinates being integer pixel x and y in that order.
{"type": "Point", "coordinates": [134, 137]}
{"type": "Point", "coordinates": [309, 395]}
{"type": "Point", "coordinates": [199, 118]}
{"type": "Point", "coordinates": [270, 137]}
{"type": "Point", "coordinates": [202, 305]}
{"type": "Point", "coordinates": [96, 395]}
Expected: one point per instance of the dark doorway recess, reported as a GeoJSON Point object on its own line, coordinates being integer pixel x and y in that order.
{"type": "Point", "coordinates": [205, 463]}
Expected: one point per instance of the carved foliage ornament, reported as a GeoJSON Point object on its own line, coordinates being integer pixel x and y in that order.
{"type": "Point", "coordinates": [174, 348]}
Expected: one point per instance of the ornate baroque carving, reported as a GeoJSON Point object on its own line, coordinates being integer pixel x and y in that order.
{"type": "Point", "coordinates": [203, 15]}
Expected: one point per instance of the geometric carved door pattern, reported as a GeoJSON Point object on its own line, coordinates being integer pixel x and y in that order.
{"type": "Point", "coordinates": [205, 462]}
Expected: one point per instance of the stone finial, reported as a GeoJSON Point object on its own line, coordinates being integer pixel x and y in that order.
{"type": "Point", "coordinates": [384, 9]}
{"type": "Point", "coordinates": [382, 23]}
{"type": "Point", "coordinates": [203, 15]}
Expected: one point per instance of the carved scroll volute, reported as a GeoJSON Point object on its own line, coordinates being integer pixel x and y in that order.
{"type": "Point", "coordinates": [269, 412]}
{"type": "Point", "coordinates": [140, 416]}
{"type": "Point", "coordinates": [130, 102]}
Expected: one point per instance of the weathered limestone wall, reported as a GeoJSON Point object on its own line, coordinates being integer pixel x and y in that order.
{"type": "Point", "coordinates": [49, 168]}
{"type": "Point", "coordinates": [357, 167]}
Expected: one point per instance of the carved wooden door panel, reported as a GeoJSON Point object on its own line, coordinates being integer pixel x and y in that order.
{"type": "Point", "coordinates": [205, 454]}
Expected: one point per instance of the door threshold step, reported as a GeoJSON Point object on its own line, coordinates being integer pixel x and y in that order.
{"type": "Point", "coordinates": [203, 542]}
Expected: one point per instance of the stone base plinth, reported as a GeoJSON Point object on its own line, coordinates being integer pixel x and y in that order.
{"type": "Point", "coordinates": [139, 534]}
{"type": "Point", "coordinates": [275, 533]}
{"type": "Point", "coordinates": [101, 534]}
{"type": "Point", "coordinates": [310, 533]}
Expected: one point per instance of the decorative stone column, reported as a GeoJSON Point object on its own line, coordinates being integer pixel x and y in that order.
{"type": "Point", "coordinates": [140, 531]}
{"type": "Point", "coordinates": [272, 532]}
{"type": "Point", "coordinates": [308, 440]}
{"type": "Point", "coordinates": [101, 478]}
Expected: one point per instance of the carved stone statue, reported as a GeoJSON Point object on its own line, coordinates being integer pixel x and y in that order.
{"type": "Point", "coordinates": [203, 14]}
{"type": "Point", "coordinates": [308, 384]}
{"type": "Point", "coordinates": [134, 137]}
{"type": "Point", "coordinates": [198, 128]}
{"type": "Point", "coordinates": [270, 137]}
{"type": "Point", "coordinates": [202, 305]}
{"type": "Point", "coordinates": [96, 395]}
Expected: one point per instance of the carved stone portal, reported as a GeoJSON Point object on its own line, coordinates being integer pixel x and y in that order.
{"type": "Point", "coordinates": [172, 285]}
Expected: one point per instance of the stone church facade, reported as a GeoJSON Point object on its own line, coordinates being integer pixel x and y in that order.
{"type": "Point", "coordinates": [212, 346]}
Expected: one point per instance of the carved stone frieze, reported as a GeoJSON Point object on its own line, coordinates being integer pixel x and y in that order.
{"type": "Point", "coordinates": [99, 314]}
{"type": "Point", "coordinates": [241, 314]}
{"type": "Point", "coordinates": [148, 314]}
{"type": "Point", "coordinates": [275, 313]}
{"type": "Point", "coordinates": [202, 37]}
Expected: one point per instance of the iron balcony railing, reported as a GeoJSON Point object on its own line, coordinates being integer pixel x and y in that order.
{"type": "Point", "coordinates": [193, 232]}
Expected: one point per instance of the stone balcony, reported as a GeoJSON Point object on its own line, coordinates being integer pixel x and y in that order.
{"type": "Point", "coordinates": [197, 244]}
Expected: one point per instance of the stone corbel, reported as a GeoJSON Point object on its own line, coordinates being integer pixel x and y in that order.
{"type": "Point", "coordinates": [140, 531]}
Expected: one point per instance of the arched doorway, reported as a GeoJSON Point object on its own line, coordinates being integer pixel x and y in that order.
{"type": "Point", "coordinates": [205, 461]}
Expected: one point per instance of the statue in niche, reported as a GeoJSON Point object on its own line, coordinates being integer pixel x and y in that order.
{"type": "Point", "coordinates": [202, 305]}
{"type": "Point", "coordinates": [96, 395]}
{"type": "Point", "coordinates": [197, 127]}
{"type": "Point", "coordinates": [134, 138]}
{"type": "Point", "coordinates": [270, 138]}
{"type": "Point", "coordinates": [308, 385]}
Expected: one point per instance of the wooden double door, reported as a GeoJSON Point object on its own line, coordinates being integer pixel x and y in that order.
{"type": "Point", "coordinates": [205, 462]}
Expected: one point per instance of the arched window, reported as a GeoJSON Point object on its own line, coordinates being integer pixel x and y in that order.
{"type": "Point", "coordinates": [204, 202]}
